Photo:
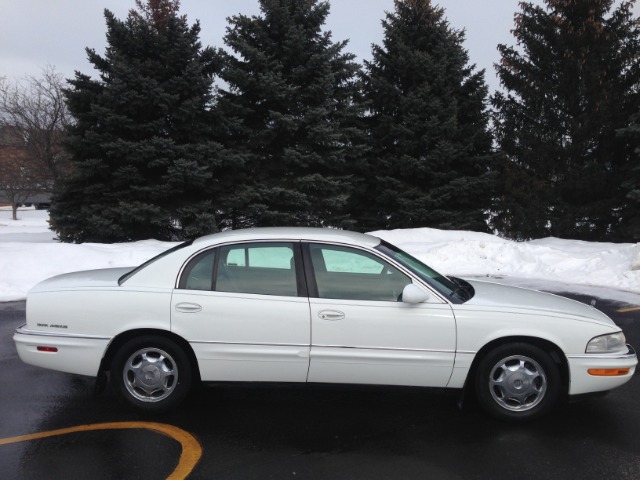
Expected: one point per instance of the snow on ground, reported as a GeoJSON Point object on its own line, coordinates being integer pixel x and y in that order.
{"type": "Point", "coordinates": [29, 253]}
{"type": "Point", "coordinates": [549, 263]}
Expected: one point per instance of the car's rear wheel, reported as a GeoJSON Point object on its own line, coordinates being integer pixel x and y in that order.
{"type": "Point", "coordinates": [151, 373]}
{"type": "Point", "coordinates": [517, 382]}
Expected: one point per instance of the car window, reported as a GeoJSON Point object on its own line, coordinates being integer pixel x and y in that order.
{"type": "Point", "coordinates": [128, 275]}
{"type": "Point", "coordinates": [352, 274]}
{"type": "Point", "coordinates": [198, 274]}
{"type": "Point", "coordinates": [456, 292]}
{"type": "Point", "coordinates": [349, 261]}
{"type": "Point", "coordinates": [260, 268]}
{"type": "Point", "coordinates": [267, 257]}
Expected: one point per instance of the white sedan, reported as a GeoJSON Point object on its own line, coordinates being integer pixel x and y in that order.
{"type": "Point", "coordinates": [317, 305]}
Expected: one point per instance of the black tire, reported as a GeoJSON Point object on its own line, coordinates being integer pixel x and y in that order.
{"type": "Point", "coordinates": [151, 373]}
{"type": "Point", "coordinates": [517, 382]}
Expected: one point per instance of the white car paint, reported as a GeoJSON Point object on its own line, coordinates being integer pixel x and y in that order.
{"type": "Point", "coordinates": [251, 337]}
{"type": "Point", "coordinates": [382, 342]}
{"type": "Point", "coordinates": [272, 343]}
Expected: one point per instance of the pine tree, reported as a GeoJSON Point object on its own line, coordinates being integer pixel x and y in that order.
{"type": "Point", "coordinates": [145, 165]}
{"type": "Point", "coordinates": [570, 83]}
{"type": "Point", "coordinates": [291, 114]}
{"type": "Point", "coordinates": [430, 145]}
{"type": "Point", "coordinates": [630, 213]}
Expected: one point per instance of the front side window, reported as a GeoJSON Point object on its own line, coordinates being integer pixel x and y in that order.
{"type": "Point", "coordinates": [351, 274]}
{"type": "Point", "coordinates": [456, 292]}
{"type": "Point", "coordinates": [259, 268]}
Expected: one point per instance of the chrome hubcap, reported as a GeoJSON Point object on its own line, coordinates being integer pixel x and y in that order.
{"type": "Point", "coordinates": [517, 383]}
{"type": "Point", "coordinates": [150, 375]}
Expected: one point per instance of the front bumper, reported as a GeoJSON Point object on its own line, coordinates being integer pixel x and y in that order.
{"type": "Point", "coordinates": [583, 382]}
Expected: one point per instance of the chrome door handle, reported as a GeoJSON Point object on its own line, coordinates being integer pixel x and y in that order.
{"type": "Point", "coordinates": [331, 315]}
{"type": "Point", "coordinates": [188, 307]}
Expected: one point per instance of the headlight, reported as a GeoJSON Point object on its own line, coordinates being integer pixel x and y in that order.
{"type": "Point", "coordinates": [611, 343]}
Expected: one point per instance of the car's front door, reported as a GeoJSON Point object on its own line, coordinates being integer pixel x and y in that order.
{"type": "Point", "coordinates": [244, 310]}
{"type": "Point", "coordinates": [361, 330]}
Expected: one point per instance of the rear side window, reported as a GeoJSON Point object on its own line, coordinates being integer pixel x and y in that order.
{"type": "Point", "coordinates": [279, 256]}
{"type": "Point", "coordinates": [258, 268]}
{"type": "Point", "coordinates": [198, 274]}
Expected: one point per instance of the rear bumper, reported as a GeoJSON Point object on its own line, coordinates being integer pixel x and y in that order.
{"type": "Point", "coordinates": [79, 354]}
{"type": "Point", "coordinates": [583, 382]}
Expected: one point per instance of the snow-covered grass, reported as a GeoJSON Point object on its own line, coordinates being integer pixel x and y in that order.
{"type": "Point", "coordinates": [29, 253]}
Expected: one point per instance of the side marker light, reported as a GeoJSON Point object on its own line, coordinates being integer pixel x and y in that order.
{"type": "Point", "coordinates": [608, 372]}
{"type": "Point", "coordinates": [48, 349]}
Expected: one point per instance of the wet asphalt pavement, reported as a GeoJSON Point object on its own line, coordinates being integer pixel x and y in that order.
{"type": "Point", "coordinates": [307, 432]}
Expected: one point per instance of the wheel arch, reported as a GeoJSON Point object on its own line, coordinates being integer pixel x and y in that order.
{"type": "Point", "coordinates": [122, 338]}
{"type": "Point", "coordinates": [554, 351]}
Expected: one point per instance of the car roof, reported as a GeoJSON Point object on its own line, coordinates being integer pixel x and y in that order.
{"type": "Point", "coordinates": [290, 233]}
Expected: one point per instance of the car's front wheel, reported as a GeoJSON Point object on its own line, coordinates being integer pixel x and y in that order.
{"type": "Point", "coordinates": [151, 373]}
{"type": "Point", "coordinates": [517, 382]}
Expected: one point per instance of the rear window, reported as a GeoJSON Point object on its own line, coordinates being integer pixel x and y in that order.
{"type": "Point", "coordinates": [128, 275]}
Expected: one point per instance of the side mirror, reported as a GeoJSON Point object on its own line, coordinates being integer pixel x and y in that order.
{"type": "Point", "coordinates": [413, 294]}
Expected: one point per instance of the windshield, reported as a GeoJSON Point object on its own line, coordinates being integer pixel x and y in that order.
{"type": "Point", "coordinates": [128, 275]}
{"type": "Point", "coordinates": [454, 289]}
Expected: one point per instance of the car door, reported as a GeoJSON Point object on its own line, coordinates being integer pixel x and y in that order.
{"type": "Point", "coordinates": [361, 330]}
{"type": "Point", "coordinates": [244, 310]}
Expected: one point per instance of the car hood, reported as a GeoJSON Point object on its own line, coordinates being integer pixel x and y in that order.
{"type": "Point", "coordinates": [105, 277]}
{"type": "Point", "coordinates": [489, 294]}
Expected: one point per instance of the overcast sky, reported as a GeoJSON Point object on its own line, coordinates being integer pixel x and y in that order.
{"type": "Point", "coordinates": [35, 33]}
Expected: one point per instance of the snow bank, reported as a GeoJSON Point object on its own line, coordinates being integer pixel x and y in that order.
{"type": "Point", "coordinates": [29, 253]}
{"type": "Point", "coordinates": [25, 264]}
{"type": "Point", "coordinates": [462, 253]}
{"type": "Point", "coordinates": [635, 263]}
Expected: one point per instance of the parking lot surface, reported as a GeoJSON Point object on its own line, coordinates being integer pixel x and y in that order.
{"type": "Point", "coordinates": [304, 431]}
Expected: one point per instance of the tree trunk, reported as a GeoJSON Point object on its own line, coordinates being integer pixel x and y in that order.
{"type": "Point", "coordinates": [14, 209]}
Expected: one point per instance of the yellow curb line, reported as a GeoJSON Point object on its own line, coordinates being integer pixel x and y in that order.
{"type": "Point", "coordinates": [627, 310]}
{"type": "Point", "coordinates": [191, 449]}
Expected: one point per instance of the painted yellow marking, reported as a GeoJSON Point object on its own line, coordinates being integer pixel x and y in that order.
{"type": "Point", "coordinates": [191, 449]}
{"type": "Point", "coordinates": [627, 310]}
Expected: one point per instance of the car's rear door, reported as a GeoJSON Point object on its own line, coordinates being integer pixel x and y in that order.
{"type": "Point", "coordinates": [244, 309]}
{"type": "Point", "coordinates": [363, 333]}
